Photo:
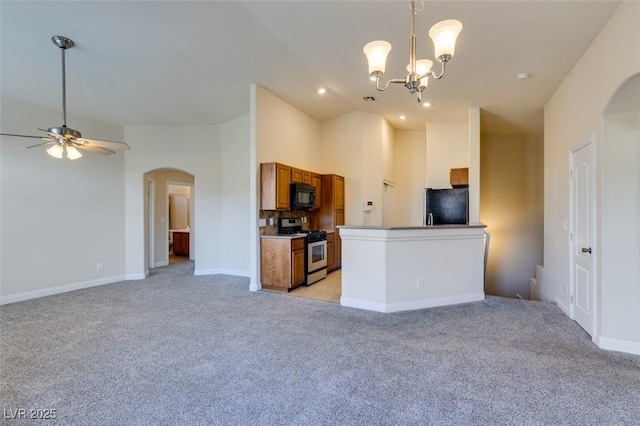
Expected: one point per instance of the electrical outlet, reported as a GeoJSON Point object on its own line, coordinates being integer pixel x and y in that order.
{"type": "Point", "coordinates": [419, 283]}
{"type": "Point", "coordinates": [99, 266]}
{"type": "Point", "coordinates": [262, 222]}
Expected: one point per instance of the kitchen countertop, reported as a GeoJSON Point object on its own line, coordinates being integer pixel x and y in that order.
{"type": "Point", "coordinates": [394, 228]}
{"type": "Point", "coordinates": [285, 236]}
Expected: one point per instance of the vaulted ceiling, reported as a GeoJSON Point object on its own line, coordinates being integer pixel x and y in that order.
{"type": "Point", "coordinates": [192, 62]}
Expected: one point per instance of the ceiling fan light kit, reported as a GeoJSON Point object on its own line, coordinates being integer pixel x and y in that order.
{"type": "Point", "coordinates": [443, 34]}
{"type": "Point", "coordinates": [64, 139]}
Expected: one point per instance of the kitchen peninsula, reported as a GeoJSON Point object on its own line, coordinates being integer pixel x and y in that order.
{"type": "Point", "coordinates": [404, 268]}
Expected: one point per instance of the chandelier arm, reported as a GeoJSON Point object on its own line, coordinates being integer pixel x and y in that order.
{"type": "Point", "coordinates": [433, 74]}
{"type": "Point", "coordinates": [386, 85]}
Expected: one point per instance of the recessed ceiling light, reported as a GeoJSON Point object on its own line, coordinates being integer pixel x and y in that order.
{"type": "Point", "coordinates": [426, 104]}
{"type": "Point", "coordinates": [523, 75]}
{"type": "Point", "coordinates": [322, 91]}
{"type": "Point", "coordinates": [402, 117]}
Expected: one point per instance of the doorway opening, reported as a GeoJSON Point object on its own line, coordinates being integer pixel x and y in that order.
{"type": "Point", "coordinates": [179, 214]}
{"type": "Point", "coordinates": [170, 214]}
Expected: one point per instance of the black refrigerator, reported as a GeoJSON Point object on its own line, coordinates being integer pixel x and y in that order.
{"type": "Point", "coordinates": [446, 206]}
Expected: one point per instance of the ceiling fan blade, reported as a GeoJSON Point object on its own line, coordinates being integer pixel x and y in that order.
{"type": "Point", "coordinates": [104, 144]}
{"type": "Point", "coordinates": [44, 138]}
{"type": "Point", "coordinates": [93, 148]}
{"type": "Point", "coordinates": [40, 144]}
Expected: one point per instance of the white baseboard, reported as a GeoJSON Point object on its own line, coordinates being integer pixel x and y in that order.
{"type": "Point", "coordinates": [618, 345]}
{"type": "Point", "coordinates": [217, 271]}
{"type": "Point", "coordinates": [131, 277]}
{"type": "Point", "coordinates": [34, 294]}
{"type": "Point", "coordinates": [161, 264]}
{"type": "Point", "coordinates": [363, 304]}
{"type": "Point", "coordinates": [564, 307]}
{"type": "Point", "coordinates": [411, 305]}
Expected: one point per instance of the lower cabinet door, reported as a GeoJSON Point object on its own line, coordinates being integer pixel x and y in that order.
{"type": "Point", "coordinates": [331, 256]}
{"type": "Point", "coordinates": [297, 261]}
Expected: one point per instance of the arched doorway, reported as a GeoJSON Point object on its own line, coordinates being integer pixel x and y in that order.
{"type": "Point", "coordinates": [169, 215]}
{"type": "Point", "coordinates": [618, 224]}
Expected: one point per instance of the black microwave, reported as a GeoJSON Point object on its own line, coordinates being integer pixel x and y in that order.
{"type": "Point", "coordinates": [303, 196]}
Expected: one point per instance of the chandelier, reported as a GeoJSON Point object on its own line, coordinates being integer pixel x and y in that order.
{"type": "Point", "coordinates": [444, 36]}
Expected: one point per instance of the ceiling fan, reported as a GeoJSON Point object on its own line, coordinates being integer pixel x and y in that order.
{"type": "Point", "coordinates": [63, 139]}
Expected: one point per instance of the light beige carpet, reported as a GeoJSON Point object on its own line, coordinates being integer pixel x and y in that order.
{"type": "Point", "coordinates": [328, 289]}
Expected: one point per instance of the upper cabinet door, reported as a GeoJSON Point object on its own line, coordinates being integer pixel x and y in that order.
{"type": "Point", "coordinates": [274, 186]}
{"type": "Point", "coordinates": [283, 187]}
{"type": "Point", "coordinates": [316, 181]}
{"type": "Point", "coordinates": [296, 175]}
{"type": "Point", "coordinates": [338, 192]}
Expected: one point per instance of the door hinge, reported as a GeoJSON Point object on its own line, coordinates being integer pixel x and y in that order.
{"type": "Point", "coordinates": [572, 298]}
{"type": "Point", "coordinates": [571, 236]}
{"type": "Point", "coordinates": [571, 174]}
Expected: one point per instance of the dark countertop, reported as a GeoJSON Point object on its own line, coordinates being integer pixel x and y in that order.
{"type": "Point", "coordinates": [284, 236]}
{"type": "Point", "coordinates": [398, 228]}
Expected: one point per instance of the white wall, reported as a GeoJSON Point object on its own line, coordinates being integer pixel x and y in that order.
{"type": "Point", "coordinates": [410, 165]}
{"type": "Point", "coordinates": [620, 232]}
{"type": "Point", "coordinates": [573, 114]}
{"type": "Point", "coordinates": [447, 148]}
{"type": "Point", "coordinates": [235, 193]}
{"type": "Point", "coordinates": [285, 134]}
{"type": "Point", "coordinates": [374, 130]}
{"type": "Point", "coordinates": [59, 218]}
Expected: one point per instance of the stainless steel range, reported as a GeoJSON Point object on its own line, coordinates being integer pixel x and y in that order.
{"type": "Point", "coordinates": [315, 245]}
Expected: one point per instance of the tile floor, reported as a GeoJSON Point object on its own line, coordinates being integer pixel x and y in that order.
{"type": "Point", "coordinates": [328, 289]}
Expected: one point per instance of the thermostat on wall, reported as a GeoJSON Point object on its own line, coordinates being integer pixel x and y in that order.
{"type": "Point", "coordinates": [367, 206]}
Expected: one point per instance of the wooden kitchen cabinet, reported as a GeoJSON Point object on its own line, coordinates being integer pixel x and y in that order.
{"type": "Point", "coordinates": [316, 181]}
{"type": "Point", "coordinates": [301, 176]}
{"type": "Point", "coordinates": [274, 186]}
{"type": "Point", "coordinates": [459, 176]}
{"type": "Point", "coordinates": [282, 263]}
{"type": "Point", "coordinates": [181, 243]}
{"type": "Point", "coordinates": [338, 193]}
{"type": "Point", "coordinates": [296, 175]}
{"type": "Point", "coordinates": [331, 251]}
{"type": "Point", "coordinates": [331, 213]}
{"type": "Point", "coordinates": [306, 177]}
{"type": "Point", "coordinates": [332, 207]}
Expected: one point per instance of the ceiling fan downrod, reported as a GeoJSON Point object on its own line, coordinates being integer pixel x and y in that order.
{"type": "Point", "coordinates": [63, 43]}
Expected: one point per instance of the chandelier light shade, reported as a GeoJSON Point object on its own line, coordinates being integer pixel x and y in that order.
{"type": "Point", "coordinates": [73, 153]}
{"type": "Point", "coordinates": [377, 52]}
{"type": "Point", "coordinates": [444, 35]}
{"type": "Point", "coordinates": [423, 66]}
{"type": "Point", "coordinates": [56, 151]}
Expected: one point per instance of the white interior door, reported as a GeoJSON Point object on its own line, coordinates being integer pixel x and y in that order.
{"type": "Point", "coordinates": [582, 238]}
